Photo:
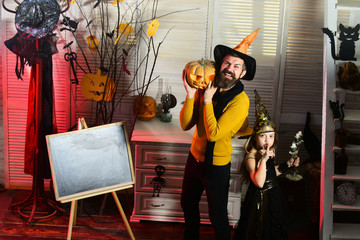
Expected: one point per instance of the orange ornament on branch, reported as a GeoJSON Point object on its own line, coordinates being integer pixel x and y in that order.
{"type": "Point", "coordinates": [199, 73]}
{"type": "Point", "coordinates": [92, 42]}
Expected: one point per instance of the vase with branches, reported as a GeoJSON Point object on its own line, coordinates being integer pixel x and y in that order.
{"type": "Point", "coordinates": [115, 40]}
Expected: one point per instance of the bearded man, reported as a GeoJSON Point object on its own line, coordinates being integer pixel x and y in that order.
{"type": "Point", "coordinates": [217, 112]}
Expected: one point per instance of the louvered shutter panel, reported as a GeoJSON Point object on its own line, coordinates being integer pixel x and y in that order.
{"type": "Point", "coordinates": [303, 64]}
{"type": "Point", "coordinates": [233, 21]}
{"type": "Point", "coordinates": [184, 30]}
{"type": "Point", "coordinates": [301, 73]}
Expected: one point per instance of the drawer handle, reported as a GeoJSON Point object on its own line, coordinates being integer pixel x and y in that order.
{"type": "Point", "coordinates": [157, 205]}
{"type": "Point", "coordinates": [159, 158]}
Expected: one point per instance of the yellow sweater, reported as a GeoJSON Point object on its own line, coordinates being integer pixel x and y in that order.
{"type": "Point", "coordinates": [195, 112]}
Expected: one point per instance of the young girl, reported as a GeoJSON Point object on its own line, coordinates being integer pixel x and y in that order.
{"type": "Point", "coordinates": [263, 213]}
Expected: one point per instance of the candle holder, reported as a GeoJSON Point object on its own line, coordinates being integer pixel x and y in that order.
{"type": "Point", "coordinates": [168, 101]}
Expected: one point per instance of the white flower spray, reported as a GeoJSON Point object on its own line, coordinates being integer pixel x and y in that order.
{"type": "Point", "coordinates": [294, 150]}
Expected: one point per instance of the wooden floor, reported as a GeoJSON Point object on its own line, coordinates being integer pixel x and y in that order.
{"type": "Point", "coordinates": [106, 223]}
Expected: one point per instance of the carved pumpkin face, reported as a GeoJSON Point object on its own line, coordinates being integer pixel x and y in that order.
{"type": "Point", "coordinates": [200, 73]}
{"type": "Point", "coordinates": [153, 27]}
{"type": "Point", "coordinates": [147, 108]}
{"type": "Point", "coordinates": [97, 87]}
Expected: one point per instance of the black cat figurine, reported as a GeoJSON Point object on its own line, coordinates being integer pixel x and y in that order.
{"type": "Point", "coordinates": [348, 36]}
{"type": "Point", "coordinates": [337, 109]}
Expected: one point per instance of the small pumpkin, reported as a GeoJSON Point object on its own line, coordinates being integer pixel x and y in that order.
{"type": "Point", "coordinates": [97, 87]}
{"type": "Point", "coordinates": [115, 2]}
{"type": "Point", "coordinates": [123, 29]}
{"type": "Point", "coordinates": [200, 73]}
{"type": "Point", "coordinates": [92, 42]}
{"type": "Point", "coordinates": [147, 107]}
{"type": "Point", "coordinates": [152, 28]}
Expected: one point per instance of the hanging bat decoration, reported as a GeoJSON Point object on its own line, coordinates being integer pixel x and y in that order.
{"type": "Point", "coordinates": [71, 24]}
{"type": "Point", "coordinates": [111, 34]}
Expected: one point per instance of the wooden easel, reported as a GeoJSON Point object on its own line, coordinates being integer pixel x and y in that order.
{"type": "Point", "coordinates": [73, 211]}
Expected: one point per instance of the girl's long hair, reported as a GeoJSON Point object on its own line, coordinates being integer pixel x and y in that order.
{"type": "Point", "coordinates": [248, 146]}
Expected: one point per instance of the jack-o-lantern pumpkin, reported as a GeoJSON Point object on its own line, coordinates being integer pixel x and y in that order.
{"type": "Point", "coordinates": [146, 108]}
{"type": "Point", "coordinates": [200, 73]}
{"type": "Point", "coordinates": [97, 87]}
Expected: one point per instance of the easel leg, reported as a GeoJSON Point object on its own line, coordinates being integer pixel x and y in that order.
{"type": "Point", "coordinates": [102, 207]}
{"type": "Point", "coordinates": [72, 220]}
{"type": "Point", "coordinates": [123, 215]}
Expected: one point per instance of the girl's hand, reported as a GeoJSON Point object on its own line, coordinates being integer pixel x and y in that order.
{"type": "Point", "coordinates": [294, 162]}
{"type": "Point", "coordinates": [189, 90]}
{"type": "Point", "coordinates": [209, 93]}
{"type": "Point", "coordinates": [268, 153]}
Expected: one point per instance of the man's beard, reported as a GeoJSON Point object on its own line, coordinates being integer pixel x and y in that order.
{"type": "Point", "coordinates": [222, 82]}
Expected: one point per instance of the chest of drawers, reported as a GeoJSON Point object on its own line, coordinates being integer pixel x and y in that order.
{"type": "Point", "coordinates": [158, 143]}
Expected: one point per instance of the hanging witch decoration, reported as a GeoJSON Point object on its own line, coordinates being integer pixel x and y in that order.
{"type": "Point", "coordinates": [34, 44]}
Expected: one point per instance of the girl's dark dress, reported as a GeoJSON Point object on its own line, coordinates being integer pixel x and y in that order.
{"type": "Point", "coordinates": [263, 213]}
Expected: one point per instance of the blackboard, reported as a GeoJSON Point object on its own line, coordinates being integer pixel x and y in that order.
{"type": "Point", "coordinates": [90, 161]}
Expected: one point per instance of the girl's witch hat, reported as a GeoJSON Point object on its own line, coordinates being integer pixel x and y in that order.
{"type": "Point", "coordinates": [262, 117]}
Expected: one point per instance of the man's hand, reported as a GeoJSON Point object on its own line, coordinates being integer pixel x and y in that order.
{"type": "Point", "coordinates": [209, 93]}
{"type": "Point", "coordinates": [189, 90]}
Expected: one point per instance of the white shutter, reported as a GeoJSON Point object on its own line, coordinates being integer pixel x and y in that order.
{"type": "Point", "coordinates": [301, 89]}
{"type": "Point", "coordinates": [15, 100]}
{"type": "Point", "coordinates": [186, 25]}
{"type": "Point", "coordinates": [288, 50]}
{"type": "Point", "coordinates": [300, 82]}
{"type": "Point", "coordinates": [233, 21]}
